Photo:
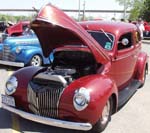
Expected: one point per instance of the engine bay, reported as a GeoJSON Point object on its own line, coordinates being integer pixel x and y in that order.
{"type": "Point", "coordinates": [68, 66]}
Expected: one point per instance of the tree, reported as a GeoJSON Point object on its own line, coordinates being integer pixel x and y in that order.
{"type": "Point", "coordinates": [135, 6]}
{"type": "Point", "coordinates": [15, 19]}
{"type": "Point", "coordinates": [136, 9]}
{"type": "Point", "coordinates": [126, 5]}
{"type": "Point", "coordinates": [145, 11]}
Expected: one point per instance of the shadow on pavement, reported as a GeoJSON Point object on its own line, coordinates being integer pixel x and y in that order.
{"type": "Point", "coordinates": [9, 68]}
{"type": "Point", "coordinates": [5, 119]}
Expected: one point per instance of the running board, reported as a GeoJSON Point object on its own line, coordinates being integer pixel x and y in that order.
{"type": "Point", "coordinates": [126, 94]}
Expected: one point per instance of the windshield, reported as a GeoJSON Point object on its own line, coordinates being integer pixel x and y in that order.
{"type": "Point", "coordinates": [105, 40]}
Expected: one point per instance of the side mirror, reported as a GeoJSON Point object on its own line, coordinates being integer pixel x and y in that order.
{"type": "Point", "coordinates": [125, 41]}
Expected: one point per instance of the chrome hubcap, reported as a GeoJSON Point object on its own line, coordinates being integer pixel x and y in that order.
{"type": "Point", "coordinates": [105, 113]}
{"type": "Point", "coordinates": [36, 61]}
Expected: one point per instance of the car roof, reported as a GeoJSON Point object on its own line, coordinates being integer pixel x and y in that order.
{"type": "Point", "coordinates": [115, 28]}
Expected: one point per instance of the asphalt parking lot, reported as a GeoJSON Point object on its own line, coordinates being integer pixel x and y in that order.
{"type": "Point", "coordinates": [134, 117]}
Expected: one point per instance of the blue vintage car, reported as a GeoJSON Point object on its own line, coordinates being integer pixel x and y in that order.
{"type": "Point", "coordinates": [22, 51]}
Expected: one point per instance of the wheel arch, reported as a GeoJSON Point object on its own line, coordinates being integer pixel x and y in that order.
{"type": "Point", "coordinates": [115, 103]}
{"type": "Point", "coordinates": [28, 53]}
{"type": "Point", "coordinates": [101, 88]}
{"type": "Point", "coordinates": [34, 54]}
{"type": "Point", "coordinates": [141, 66]}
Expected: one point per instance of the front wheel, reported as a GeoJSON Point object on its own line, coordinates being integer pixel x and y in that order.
{"type": "Point", "coordinates": [36, 60]}
{"type": "Point", "coordinates": [105, 117]}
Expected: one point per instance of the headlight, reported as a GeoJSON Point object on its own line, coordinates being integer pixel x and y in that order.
{"type": "Point", "coordinates": [11, 85]}
{"type": "Point", "coordinates": [81, 99]}
{"type": "Point", "coordinates": [18, 50]}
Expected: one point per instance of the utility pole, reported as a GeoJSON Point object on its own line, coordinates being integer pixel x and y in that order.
{"type": "Point", "coordinates": [125, 10]}
{"type": "Point", "coordinates": [79, 10]}
{"type": "Point", "coordinates": [83, 11]}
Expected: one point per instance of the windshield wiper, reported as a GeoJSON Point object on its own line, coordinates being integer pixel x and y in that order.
{"type": "Point", "coordinates": [106, 35]}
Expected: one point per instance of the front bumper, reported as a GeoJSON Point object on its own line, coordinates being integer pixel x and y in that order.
{"type": "Point", "coordinates": [49, 121]}
{"type": "Point", "coordinates": [10, 63]}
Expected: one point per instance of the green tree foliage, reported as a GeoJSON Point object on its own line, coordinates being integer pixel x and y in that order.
{"type": "Point", "coordinates": [145, 11]}
{"type": "Point", "coordinates": [138, 8]}
{"type": "Point", "coordinates": [15, 19]}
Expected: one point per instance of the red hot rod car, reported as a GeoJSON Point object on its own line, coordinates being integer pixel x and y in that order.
{"type": "Point", "coordinates": [97, 67]}
{"type": "Point", "coordinates": [17, 29]}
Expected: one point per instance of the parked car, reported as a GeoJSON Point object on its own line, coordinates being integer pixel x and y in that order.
{"type": "Point", "coordinates": [146, 33]}
{"type": "Point", "coordinates": [18, 28]}
{"type": "Point", "coordinates": [15, 30]}
{"type": "Point", "coordinates": [22, 51]}
{"type": "Point", "coordinates": [97, 67]}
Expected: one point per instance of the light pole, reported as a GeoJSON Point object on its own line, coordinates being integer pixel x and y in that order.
{"type": "Point", "coordinates": [79, 10]}
{"type": "Point", "coordinates": [83, 10]}
{"type": "Point", "coordinates": [125, 8]}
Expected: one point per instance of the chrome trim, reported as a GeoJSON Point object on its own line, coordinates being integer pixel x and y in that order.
{"type": "Point", "coordinates": [57, 78]}
{"type": "Point", "coordinates": [10, 63]}
{"type": "Point", "coordinates": [14, 84]}
{"type": "Point", "coordinates": [49, 121]}
{"type": "Point", "coordinates": [44, 102]}
{"type": "Point", "coordinates": [7, 54]}
{"type": "Point", "coordinates": [84, 95]}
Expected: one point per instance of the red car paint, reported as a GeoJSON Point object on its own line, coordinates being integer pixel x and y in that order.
{"type": "Point", "coordinates": [66, 28]}
{"type": "Point", "coordinates": [17, 29]}
{"type": "Point", "coordinates": [146, 26]}
{"type": "Point", "coordinates": [99, 95]}
{"type": "Point", "coordinates": [116, 66]}
{"type": "Point", "coordinates": [146, 33]}
{"type": "Point", "coordinates": [24, 76]}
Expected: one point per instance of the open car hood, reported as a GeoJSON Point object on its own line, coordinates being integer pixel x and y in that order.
{"type": "Point", "coordinates": [54, 29]}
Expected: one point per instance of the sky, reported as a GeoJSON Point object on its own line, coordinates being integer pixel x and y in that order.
{"type": "Point", "coordinates": [63, 4]}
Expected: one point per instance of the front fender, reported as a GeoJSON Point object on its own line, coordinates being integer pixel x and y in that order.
{"type": "Point", "coordinates": [100, 88]}
{"type": "Point", "coordinates": [142, 64]}
{"type": "Point", "coordinates": [26, 54]}
{"type": "Point", "coordinates": [24, 76]}
{"type": "Point", "coordinates": [29, 53]}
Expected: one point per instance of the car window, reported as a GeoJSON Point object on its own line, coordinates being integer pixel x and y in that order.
{"type": "Point", "coordinates": [106, 40]}
{"type": "Point", "coordinates": [125, 38]}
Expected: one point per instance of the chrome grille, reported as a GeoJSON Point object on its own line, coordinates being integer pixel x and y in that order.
{"type": "Point", "coordinates": [6, 54]}
{"type": "Point", "coordinates": [44, 99]}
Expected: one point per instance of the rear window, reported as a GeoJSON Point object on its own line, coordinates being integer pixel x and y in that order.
{"type": "Point", "coordinates": [106, 40]}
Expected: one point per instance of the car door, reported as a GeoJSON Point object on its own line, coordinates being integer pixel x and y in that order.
{"type": "Point", "coordinates": [123, 64]}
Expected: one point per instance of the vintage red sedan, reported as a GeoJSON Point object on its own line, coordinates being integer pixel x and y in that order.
{"type": "Point", "coordinates": [97, 67]}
